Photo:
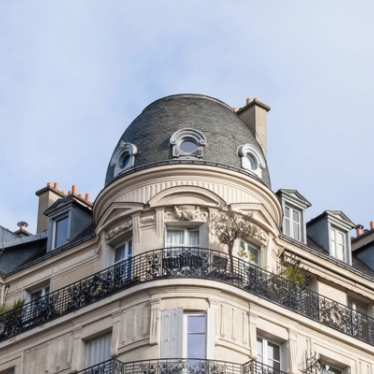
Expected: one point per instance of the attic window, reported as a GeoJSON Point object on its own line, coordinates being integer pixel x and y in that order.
{"type": "Point", "coordinates": [60, 231]}
{"type": "Point", "coordinates": [251, 159]}
{"type": "Point", "coordinates": [188, 143]}
{"type": "Point", "coordinates": [124, 157]}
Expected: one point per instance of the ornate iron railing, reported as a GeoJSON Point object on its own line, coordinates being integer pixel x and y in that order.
{"type": "Point", "coordinates": [188, 262]}
{"type": "Point", "coordinates": [180, 366]}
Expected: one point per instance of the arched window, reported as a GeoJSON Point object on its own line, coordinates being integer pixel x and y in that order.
{"type": "Point", "coordinates": [188, 143]}
{"type": "Point", "coordinates": [124, 157]}
{"type": "Point", "coordinates": [251, 159]}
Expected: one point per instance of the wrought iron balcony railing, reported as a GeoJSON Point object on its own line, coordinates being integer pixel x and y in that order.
{"type": "Point", "coordinates": [188, 262]}
{"type": "Point", "coordinates": [180, 366]}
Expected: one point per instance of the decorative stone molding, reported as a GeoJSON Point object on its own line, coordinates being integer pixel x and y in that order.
{"type": "Point", "coordinates": [251, 159]}
{"type": "Point", "coordinates": [118, 230]}
{"type": "Point", "coordinates": [189, 213]}
{"type": "Point", "coordinates": [124, 158]}
{"type": "Point", "coordinates": [196, 140]}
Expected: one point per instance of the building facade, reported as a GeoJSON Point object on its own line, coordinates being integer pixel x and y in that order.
{"type": "Point", "coordinates": [187, 262]}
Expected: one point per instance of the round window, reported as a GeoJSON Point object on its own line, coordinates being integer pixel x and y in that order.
{"type": "Point", "coordinates": [125, 161]}
{"type": "Point", "coordinates": [252, 161]}
{"type": "Point", "coordinates": [188, 146]}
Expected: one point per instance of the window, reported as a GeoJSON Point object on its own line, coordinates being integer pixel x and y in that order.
{"type": "Point", "coordinates": [292, 222]}
{"type": "Point", "coordinates": [358, 306]}
{"type": "Point", "coordinates": [269, 353]}
{"type": "Point", "coordinates": [330, 369]}
{"type": "Point", "coordinates": [251, 159]}
{"type": "Point", "coordinates": [37, 293]}
{"type": "Point", "coordinates": [122, 256]}
{"type": "Point", "coordinates": [188, 143]}
{"type": "Point", "coordinates": [188, 237]}
{"type": "Point", "coordinates": [124, 157]}
{"type": "Point", "coordinates": [338, 243]}
{"type": "Point", "coordinates": [98, 350]}
{"type": "Point", "coordinates": [250, 252]}
{"type": "Point", "coordinates": [195, 335]}
{"type": "Point", "coordinates": [60, 232]}
{"type": "Point", "coordinates": [183, 334]}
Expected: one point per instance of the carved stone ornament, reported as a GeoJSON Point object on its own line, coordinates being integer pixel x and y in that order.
{"type": "Point", "coordinates": [257, 233]}
{"type": "Point", "coordinates": [190, 213]}
{"type": "Point", "coordinates": [118, 229]}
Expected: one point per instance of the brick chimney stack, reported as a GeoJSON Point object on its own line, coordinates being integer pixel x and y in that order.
{"type": "Point", "coordinates": [254, 115]}
{"type": "Point", "coordinates": [371, 225]}
{"type": "Point", "coordinates": [47, 196]}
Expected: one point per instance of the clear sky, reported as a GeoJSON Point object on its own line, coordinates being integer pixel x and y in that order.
{"type": "Point", "coordinates": [73, 74]}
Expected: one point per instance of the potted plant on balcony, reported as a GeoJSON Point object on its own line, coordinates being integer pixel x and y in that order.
{"type": "Point", "coordinates": [228, 226]}
{"type": "Point", "coordinates": [11, 318]}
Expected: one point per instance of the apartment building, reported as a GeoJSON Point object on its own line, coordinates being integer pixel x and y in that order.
{"type": "Point", "coordinates": [187, 262]}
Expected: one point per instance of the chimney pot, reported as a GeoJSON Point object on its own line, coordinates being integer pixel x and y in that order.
{"type": "Point", "coordinates": [372, 225]}
{"type": "Point", "coordinates": [73, 189]}
{"type": "Point", "coordinates": [22, 224]}
{"type": "Point", "coordinates": [87, 196]}
{"type": "Point", "coordinates": [360, 231]}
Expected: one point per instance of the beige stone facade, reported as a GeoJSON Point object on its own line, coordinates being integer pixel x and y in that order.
{"type": "Point", "coordinates": [142, 206]}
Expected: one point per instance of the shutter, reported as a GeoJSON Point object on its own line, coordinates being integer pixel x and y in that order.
{"type": "Point", "coordinates": [98, 350]}
{"type": "Point", "coordinates": [171, 333]}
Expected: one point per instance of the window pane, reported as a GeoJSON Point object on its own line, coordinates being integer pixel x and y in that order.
{"type": "Point", "coordinates": [287, 227]}
{"type": "Point", "coordinates": [287, 211]}
{"type": "Point", "coordinates": [61, 231]}
{"type": "Point", "coordinates": [192, 238]}
{"type": "Point", "coordinates": [174, 238]}
{"type": "Point", "coordinates": [196, 324]}
{"type": "Point", "coordinates": [259, 350]}
{"type": "Point", "coordinates": [296, 215]}
{"type": "Point", "coordinates": [273, 352]}
{"type": "Point", "coordinates": [196, 346]}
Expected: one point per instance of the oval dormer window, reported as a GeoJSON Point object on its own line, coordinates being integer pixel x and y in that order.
{"type": "Point", "coordinates": [188, 143]}
{"type": "Point", "coordinates": [251, 159]}
{"type": "Point", "coordinates": [124, 158]}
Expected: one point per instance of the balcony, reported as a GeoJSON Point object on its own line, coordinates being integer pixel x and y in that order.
{"type": "Point", "coordinates": [180, 366]}
{"type": "Point", "coordinates": [168, 263]}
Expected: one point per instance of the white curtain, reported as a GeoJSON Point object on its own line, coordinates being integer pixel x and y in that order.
{"type": "Point", "coordinates": [98, 350]}
{"type": "Point", "coordinates": [175, 238]}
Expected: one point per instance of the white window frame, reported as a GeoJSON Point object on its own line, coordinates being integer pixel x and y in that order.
{"type": "Point", "coordinates": [185, 230]}
{"type": "Point", "coordinates": [244, 245]}
{"type": "Point", "coordinates": [129, 249]}
{"type": "Point", "coordinates": [185, 333]}
{"type": "Point", "coordinates": [333, 243]}
{"type": "Point", "coordinates": [43, 287]}
{"type": "Point", "coordinates": [123, 150]}
{"type": "Point", "coordinates": [292, 222]}
{"type": "Point", "coordinates": [192, 135]}
{"type": "Point", "coordinates": [54, 228]}
{"type": "Point", "coordinates": [265, 343]}
{"type": "Point", "coordinates": [249, 150]}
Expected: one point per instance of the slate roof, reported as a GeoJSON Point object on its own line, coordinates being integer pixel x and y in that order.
{"type": "Point", "coordinates": [152, 129]}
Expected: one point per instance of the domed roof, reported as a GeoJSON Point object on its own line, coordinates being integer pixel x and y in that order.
{"type": "Point", "coordinates": [149, 135]}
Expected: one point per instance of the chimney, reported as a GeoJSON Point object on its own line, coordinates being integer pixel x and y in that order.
{"type": "Point", "coordinates": [22, 229]}
{"type": "Point", "coordinates": [47, 196]}
{"type": "Point", "coordinates": [254, 115]}
{"type": "Point", "coordinates": [359, 231]}
{"type": "Point", "coordinates": [371, 225]}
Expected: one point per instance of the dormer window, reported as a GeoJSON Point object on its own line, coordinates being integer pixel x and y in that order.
{"type": "Point", "coordinates": [293, 204]}
{"type": "Point", "coordinates": [188, 143]}
{"type": "Point", "coordinates": [292, 222]}
{"type": "Point", "coordinates": [60, 230]}
{"type": "Point", "coordinates": [124, 157]}
{"type": "Point", "coordinates": [338, 243]}
{"type": "Point", "coordinates": [251, 159]}
{"type": "Point", "coordinates": [330, 232]}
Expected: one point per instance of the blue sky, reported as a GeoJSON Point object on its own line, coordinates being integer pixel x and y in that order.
{"type": "Point", "coordinates": [73, 74]}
